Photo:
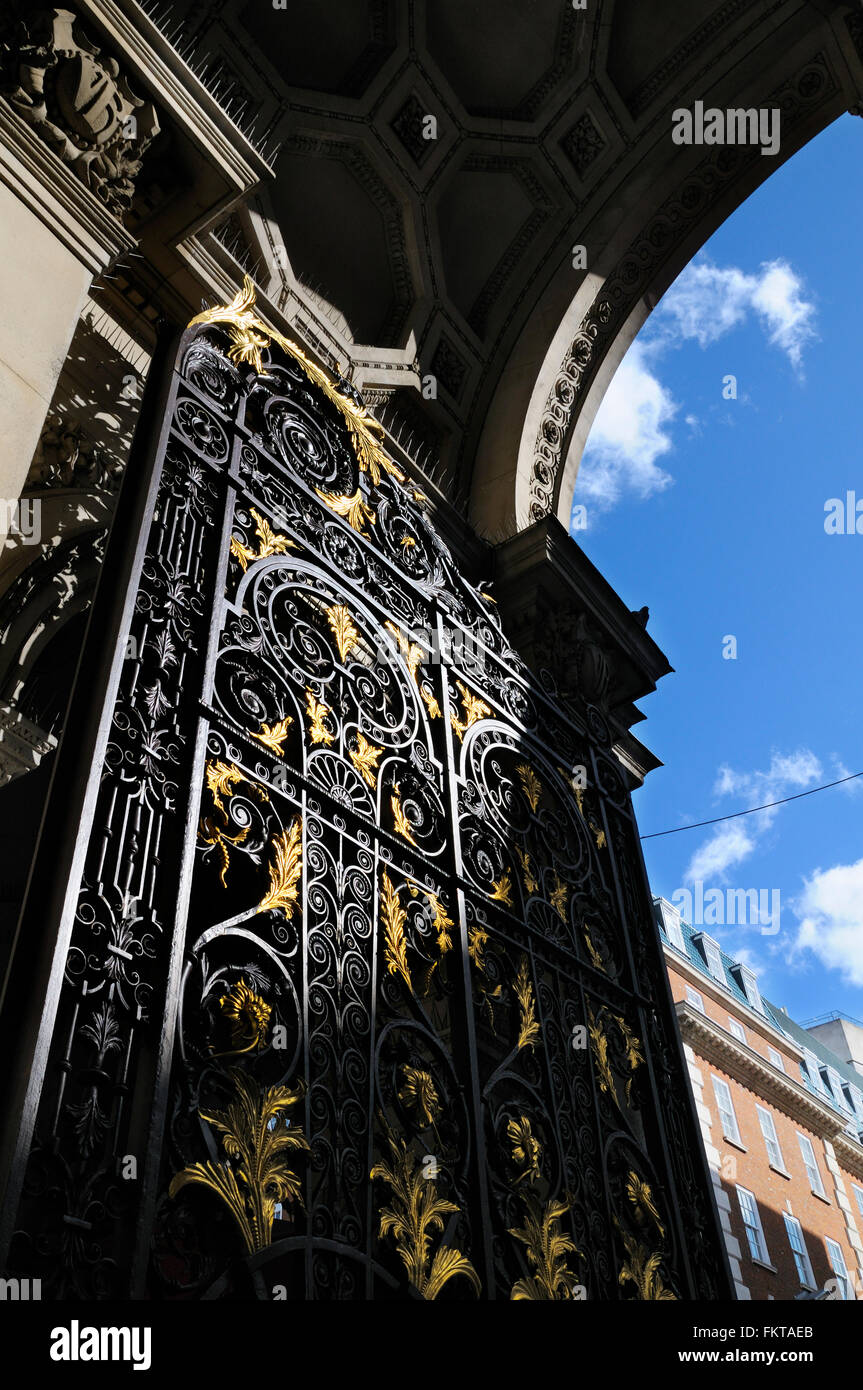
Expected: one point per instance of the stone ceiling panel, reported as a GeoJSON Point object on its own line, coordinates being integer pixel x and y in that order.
{"type": "Point", "coordinates": [482, 216]}
{"type": "Point", "coordinates": [344, 231]}
{"type": "Point", "coordinates": [503, 57]}
{"type": "Point", "coordinates": [650, 43]}
{"type": "Point", "coordinates": [321, 47]}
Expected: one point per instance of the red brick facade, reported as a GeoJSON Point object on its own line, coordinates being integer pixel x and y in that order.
{"type": "Point", "coordinates": [754, 1079]}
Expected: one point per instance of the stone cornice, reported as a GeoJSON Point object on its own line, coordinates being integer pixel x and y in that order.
{"type": "Point", "coordinates": [720, 995]}
{"type": "Point", "coordinates": [564, 617]}
{"type": "Point", "coordinates": [179, 94]}
{"type": "Point", "coordinates": [849, 1155]}
{"type": "Point", "coordinates": [57, 196]}
{"type": "Point", "coordinates": [711, 1042]}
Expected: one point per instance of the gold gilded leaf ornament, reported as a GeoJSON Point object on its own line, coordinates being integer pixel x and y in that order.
{"type": "Point", "coordinates": [255, 1176]}
{"type": "Point", "coordinates": [442, 924]}
{"type": "Point", "coordinates": [642, 1268]}
{"type": "Point", "coordinates": [413, 656]}
{"type": "Point", "coordinates": [528, 1030]}
{"type": "Point", "coordinates": [221, 780]}
{"type": "Point", "coordinates": [270, 543]}
{"type": "Point", "coordinates": [526, 1150]}
{"type": "Point", "coordinates": [559, 897]}
{"type": "Point", "coordinates": [476, 939]}
{"type": "Point", "coordinates": [286, 867]}
{"type": "Point", "coordinates": [365, 759]}
{"type": "Point", "coordinates": [418, 1092]}
{"type": "Point", "coordinates": [402, 824]}
{"type": "Point", "coordinates": [547, 1248]}
{"type": "Point", "coordinates": [502, 890]}
{"type": "Point", "coordinates": [274, 738]}
{"type": "Point", "coordinates": [530, 784]}
{"type": "Point", "coordinates": [247, 1015]}
{"type": "Point", "coordinates": [394, 919]}
{"type": "Point", "coordinates": [595, 957]}
{"type": "Point", "coordinates": [641, 1197]}
{"type": "Point", "coordinates": [474, 710]}
{"type": "Point", "coordinates": [546, 1244]}
{"type": "Point", "coordinates": [317, 712]}
{"type": "Point", "coordinates": [342, 627]}
{"type": "Point", "coordinates": [414, 1215]}
{"type": "Point", "coordinates": [354, 509]}
{"type": "Point", "coordinates": [530, 881]}
{"type": "Point", "coordinates": [600, 1045]}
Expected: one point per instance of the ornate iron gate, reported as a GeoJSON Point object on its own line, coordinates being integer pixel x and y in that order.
{"type": "Point", "coordinates": [376, 1008]}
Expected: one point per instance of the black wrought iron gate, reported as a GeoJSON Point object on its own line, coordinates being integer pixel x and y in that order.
{"type": "Point", "coordinates": [362, 997]}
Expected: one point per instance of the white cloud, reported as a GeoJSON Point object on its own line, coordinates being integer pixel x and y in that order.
{"type": "Point", "coordinates": [840, 770]}
{"type": "Point", "coordinates": [728, 845]}
{"type": "Point", "coordinates": [787, 773]}
{"type": "Point", "coordinates": [830, 910]}
{"type": "Point", "coordinates": [733, 841]}
{"type": "Point", "coordinates": [788, 316]}
{"type": "Point", "coordinates": [628, 435]}
{"type": "Point", "coordinates": [706, 301]}
{"type": "Point", "coordinates": [631, 431]}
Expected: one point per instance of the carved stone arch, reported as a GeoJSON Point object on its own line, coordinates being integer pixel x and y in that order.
{"type": "Point", "coordinates": [662, 211]}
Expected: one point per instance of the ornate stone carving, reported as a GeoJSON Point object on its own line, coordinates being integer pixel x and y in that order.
{"type": "Point", "coordinates": [408, 126]}
{"type": "Point", "coordinates": [583, 143]}
{"type": "Point", "coordinates": [23, 744]}
{"type": "Point", "coordinates": [566, 645]}
{"type": "Point", "coordinates": [449, 368]}
{"type": "Point", "coordinates": [65, 457]}
{"type": "Point", "coordinates": [78, 101]}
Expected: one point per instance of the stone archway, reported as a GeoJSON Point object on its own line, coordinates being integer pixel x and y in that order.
{"type": "Point", "coordinates": [651, 216]}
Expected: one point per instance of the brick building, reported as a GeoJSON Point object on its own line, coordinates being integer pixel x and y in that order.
{"type": "Point", "coordinates": [782, 1122]}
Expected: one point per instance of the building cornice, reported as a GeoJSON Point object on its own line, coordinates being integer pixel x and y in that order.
{"type": "Point", "coordinates": [57, 196]}
{"type": "Point", "coordinates": [722, 996]}
{"type": "Point", "coordinates": [849, 1154]}
{"type": "Point", "coordinates": [179, 93]}
{"type": "Point", "coordinates": [711, 1042]}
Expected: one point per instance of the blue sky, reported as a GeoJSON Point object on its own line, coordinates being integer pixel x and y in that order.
{"type": "Point", "coordinates": [712, 512]}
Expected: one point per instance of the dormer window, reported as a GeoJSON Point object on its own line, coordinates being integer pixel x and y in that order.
{"type": "Point", "coordinates": [747, 982]}
{"type": "Point", "coordinates": [671, 924]}
{"type": "Point", "coordinates": [712, 956]}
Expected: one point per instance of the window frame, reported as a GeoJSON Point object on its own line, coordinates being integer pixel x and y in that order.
{"type": "Point", "coordinates": [672, 926]}
{"type": "Point", "coordinates": [712, 956]}
{"type": "Point", "coordinates": [735, 1023]}
{"type": "Point", "coordinates": [772, 1138]}
{"type": "Point", "coordinates": [830, 1245]}
{"type": "Point", "coordinates": [735, 1137]}
{"type": "Point", "coordinates": [763, 1255]}
{"type": "Point", "coordinates": [697, 996]}
{"type": "Point", "coordinates": [802, 1254]}
{"type": "Point", "coordinates": [804, 1140]}
{"type": "Point", "coordinates": [776, 1058]}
